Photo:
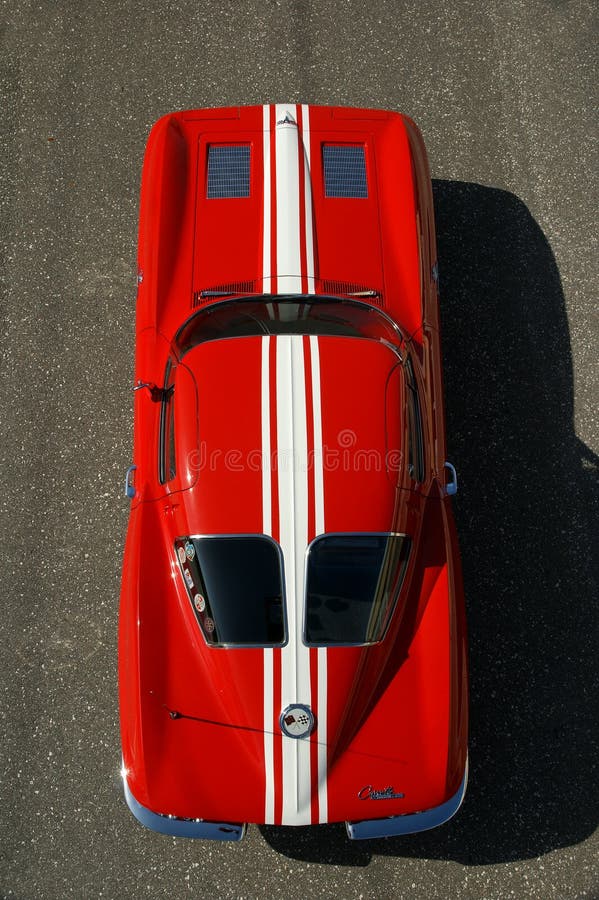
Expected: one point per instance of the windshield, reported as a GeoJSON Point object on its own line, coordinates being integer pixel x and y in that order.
{"type": "Point", "coordinates": [270, 314]}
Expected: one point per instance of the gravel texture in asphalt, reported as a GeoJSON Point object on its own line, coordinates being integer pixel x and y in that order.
{"type": "Point", "coordinates": [505, 94]}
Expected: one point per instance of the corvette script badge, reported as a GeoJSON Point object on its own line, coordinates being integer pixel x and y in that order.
{"type": "Point", "coordinates": [388, 793]}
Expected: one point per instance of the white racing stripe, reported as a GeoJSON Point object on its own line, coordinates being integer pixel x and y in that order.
{"type": "Point", "coordinates": [266, 262]}
{"type": "Point", "coordinates": [269, 804]}
{"type": "Point", "coordinates": [287, 201]}
{"type": "Point", "coordinates": [292, 469]}
{"type": "Point", "coordinates": [265, 427]}
{"type": "Point", "coordinates": [269, 788]}
{"type": "Point", "coordinates": [292, 466]}
{"type": "Point", "coordinates": [317, 424]}
{"type": "Point", "coordinates": [307, 224]}
{"type": "Point", "coordinates": [319, 529]}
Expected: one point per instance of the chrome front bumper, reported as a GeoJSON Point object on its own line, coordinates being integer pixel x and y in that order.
{"type": "Point", "coordinates": [189, 828]}
{"type": "Point", "coordinates": [411, 822]}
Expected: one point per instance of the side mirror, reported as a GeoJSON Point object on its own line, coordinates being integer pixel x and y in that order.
{"type": "Point", "coordinates": [129, 488]}
{"type": "Point", "coordinates": [451, 487]}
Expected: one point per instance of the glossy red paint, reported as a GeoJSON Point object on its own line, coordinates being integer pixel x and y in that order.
{"type": "Point", "coordinates": [292, 437]}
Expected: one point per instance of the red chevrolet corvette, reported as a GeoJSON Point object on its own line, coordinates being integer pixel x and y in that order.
{"type": "Point", "coordinates": [292, 643]}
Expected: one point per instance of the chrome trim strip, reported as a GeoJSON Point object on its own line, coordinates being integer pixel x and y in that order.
{"type": "Point", "coordinates": [189, 828]}
{"type": "Point", "coordinates": [411, 822]}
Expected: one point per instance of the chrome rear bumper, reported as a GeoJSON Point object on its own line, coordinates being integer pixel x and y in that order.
{"type": "Point", "coordinates": [391, 826]}
{"type": "Point", "coordinates": [189, 828]}
{"type": "Point", "coordinates": [411, 822]}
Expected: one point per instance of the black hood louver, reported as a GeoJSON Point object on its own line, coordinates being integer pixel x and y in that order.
{"type": "Point", "coordinates": [323, 286]}
{"type": "Point", "coordinates": [205, 295]}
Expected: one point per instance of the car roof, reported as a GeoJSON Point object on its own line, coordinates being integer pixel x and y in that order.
{"type": "Point", "coordinates": [310, 414]}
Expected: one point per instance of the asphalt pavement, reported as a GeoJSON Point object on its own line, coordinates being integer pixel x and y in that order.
{"type": "Point", "coordinates": [505, 94]}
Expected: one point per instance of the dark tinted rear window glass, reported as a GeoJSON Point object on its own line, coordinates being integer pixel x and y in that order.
{"type": "Point", "coordinates": [235, 587]}
{"type": "Point", "coordinates": [353, 581]}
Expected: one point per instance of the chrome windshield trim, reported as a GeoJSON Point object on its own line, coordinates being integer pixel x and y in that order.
{"type": "Point", "coordinates": [188, 828]}
{"type": "Point", "coordinates": [411, 822]}
{"type": "Point", "coordinates": [269, 299]}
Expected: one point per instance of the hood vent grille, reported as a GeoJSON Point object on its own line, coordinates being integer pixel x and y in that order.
{"type": "Point", "coordinates": [228, 172]}
{"type": "Point", "coordinates": [323, 286]}
{"type": "Point", "coordinates": [205, 295]}
{"type": "Point", "coordinates": [344, 168]}
{"type": "Point", "coordinates": [350, 289]}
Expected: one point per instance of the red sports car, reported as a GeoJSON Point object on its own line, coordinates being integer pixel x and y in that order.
{"type": "Point", "coordinates": [292, 640]}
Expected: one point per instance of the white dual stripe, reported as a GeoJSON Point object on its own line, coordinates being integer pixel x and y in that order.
{"type": "Point", "coordinates": [319, 529]}
{"type": "Point", "coordinates": [266, 230]}
{"type": "Point", "coordinates": [317, 427]}
{"type": "Point", "coordinates": [292, 466]}
{"type": "Point", "coordinates": [308, 198]}
{"type": "Point", "coordinates": [269, 789]}
{"type": "Point", "coordinates": [287, 201]}
{"type": "Point", "coordinates": [269, 792]}
{"type": "Point", "coordinates": [287, 262]}
{"type": "Point", "coordinates": [269, 761]}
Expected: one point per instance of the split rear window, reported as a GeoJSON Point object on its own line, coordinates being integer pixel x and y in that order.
{"type": "Point", "coordinates": [235, 584]}
{"type": "Point", "coordinates": [353, 582]}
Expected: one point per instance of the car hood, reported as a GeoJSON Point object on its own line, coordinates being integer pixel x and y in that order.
{"type": "Point", "coordinates": [293, 231]}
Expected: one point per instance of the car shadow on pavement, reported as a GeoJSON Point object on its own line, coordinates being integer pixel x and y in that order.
{"type": "Point", "coordinates": [527, 517]}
